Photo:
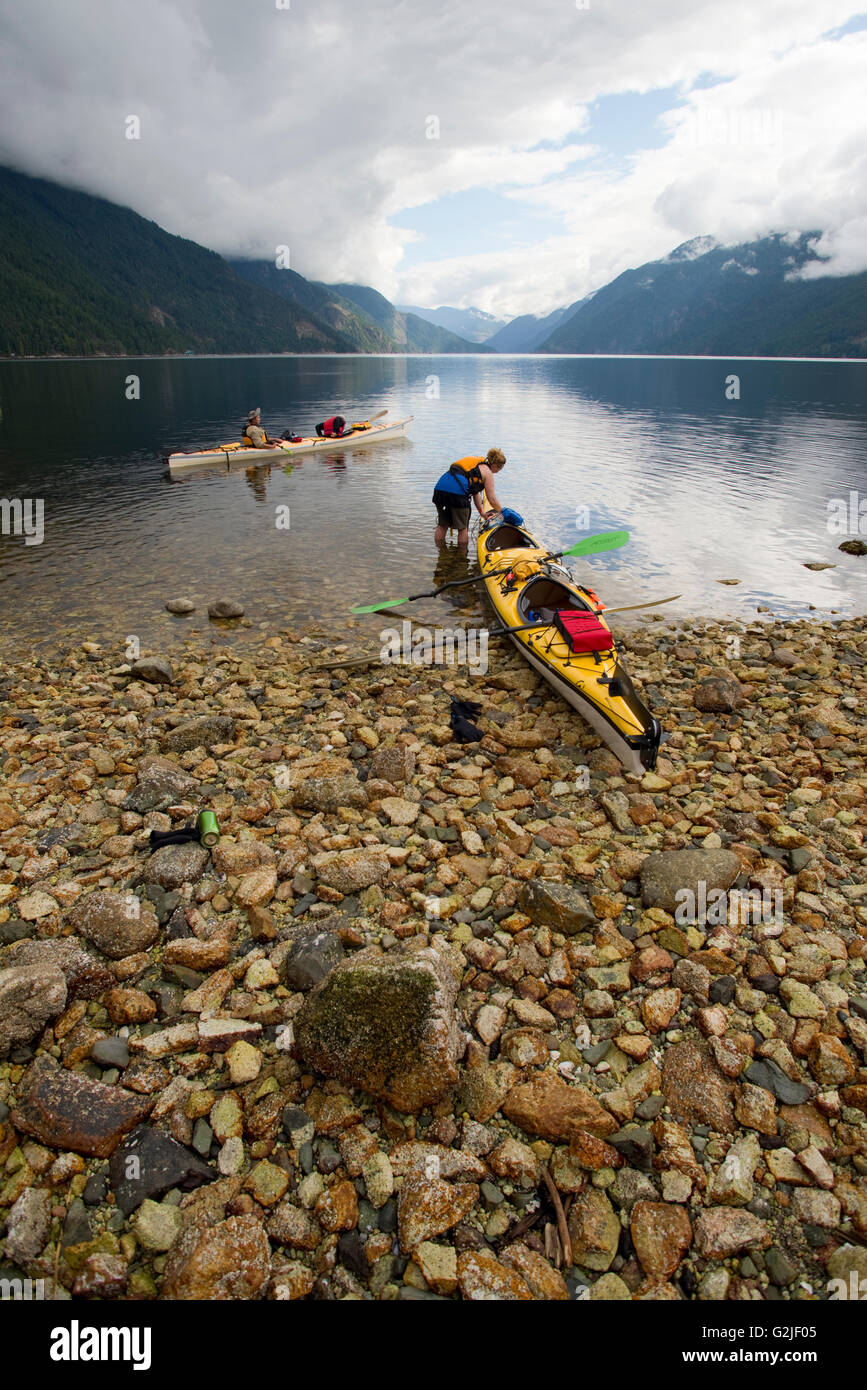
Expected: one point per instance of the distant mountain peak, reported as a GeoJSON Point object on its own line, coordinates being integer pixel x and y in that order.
{"type": "Point", "coordinates": [763, 298]}
{"type": "Point", "coordinates": [691, 250]}
{"type": "Point", "coordinates": [475, 325]}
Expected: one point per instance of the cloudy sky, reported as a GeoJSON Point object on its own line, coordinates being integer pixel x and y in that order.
{"type": "Point", "coordinates": [509, 155]}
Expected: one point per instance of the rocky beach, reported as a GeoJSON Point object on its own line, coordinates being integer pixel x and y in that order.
{"type": "Point", "coordinates": [433, 1020]}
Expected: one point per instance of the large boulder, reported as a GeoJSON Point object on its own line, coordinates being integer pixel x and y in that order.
{"type": "Point", "coordinates": [30, 996]}
{"type": "Point", "coordinates": [670, 873]}
{"type": "Point", "coordinates": [118, 924]}
{"type": "Point", "coordinates": [86, 977]}
{"type": "Point", "coordinates": [386, 1025]}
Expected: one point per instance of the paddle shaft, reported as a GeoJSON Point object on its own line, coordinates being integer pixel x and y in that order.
{"type": "Point", "coordinates": [591, 546]}
{"type": "Point", "coordinates": [625, 608]}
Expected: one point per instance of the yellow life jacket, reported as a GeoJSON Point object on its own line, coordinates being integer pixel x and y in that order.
{"type": "Point", "coordinates": [467, 471]}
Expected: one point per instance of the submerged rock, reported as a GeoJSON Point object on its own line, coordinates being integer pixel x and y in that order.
{"type": "Point", "coordinates": [225, 608]}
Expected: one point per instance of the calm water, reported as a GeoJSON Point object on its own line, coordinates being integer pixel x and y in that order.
{"type": "Point", "coordinates": [709, 488]}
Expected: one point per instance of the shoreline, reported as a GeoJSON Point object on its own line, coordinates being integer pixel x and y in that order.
{"type": "Point", "coordinates": [700, 1084]}
{"type": "Point", "coordinates": [491, 353]}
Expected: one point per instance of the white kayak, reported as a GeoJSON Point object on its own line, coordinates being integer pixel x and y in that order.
{"type": "Point", "coordinates": [238, 455]}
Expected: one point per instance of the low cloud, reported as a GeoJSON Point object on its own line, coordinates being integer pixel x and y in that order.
{"type": "Point", "coordinates": [309, 126]}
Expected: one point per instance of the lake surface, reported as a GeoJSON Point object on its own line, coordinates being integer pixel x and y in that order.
{"type": "Point", "coordinates": [710, 488]}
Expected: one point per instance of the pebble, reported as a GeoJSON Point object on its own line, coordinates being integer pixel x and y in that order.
{"type": "Point", "coordinates": [662, 1068]}
{"type": "Point", "coordinates": [110, 1052]}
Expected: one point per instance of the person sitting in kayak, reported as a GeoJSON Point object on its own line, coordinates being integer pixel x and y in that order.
{"type": "Point", "coordinates": [468, 479]}
{"type": "Point", "coordinates": [254, 435]}
{"type": "Point", "coordinates": [335, 428]}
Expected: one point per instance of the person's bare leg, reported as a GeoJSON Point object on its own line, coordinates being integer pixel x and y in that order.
{"type": "Point", "coordinates": [463, 537]}
{"type": "Point", "coordinates": [440, 536]}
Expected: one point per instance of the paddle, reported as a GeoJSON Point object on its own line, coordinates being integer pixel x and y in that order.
{"type": "Point", "coordinates": [593, 545]}
{"type": "Point", "coordinates": [625, 608]}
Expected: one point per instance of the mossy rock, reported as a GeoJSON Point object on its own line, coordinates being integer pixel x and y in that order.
{"type": "Point", "coordinates": [385, 1025]}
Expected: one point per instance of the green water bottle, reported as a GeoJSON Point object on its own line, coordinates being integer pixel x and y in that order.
{"type": "Point", "coordinates": [209, 830]}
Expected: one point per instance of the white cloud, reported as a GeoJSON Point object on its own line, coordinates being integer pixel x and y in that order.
{"type": "Point", "coordinates": [306, 126]}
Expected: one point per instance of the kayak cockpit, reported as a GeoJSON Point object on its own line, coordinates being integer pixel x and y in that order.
{"type": "Point", "coordinates": [508, 537]}
{"type": "Point", "coordinates": [542, 598]}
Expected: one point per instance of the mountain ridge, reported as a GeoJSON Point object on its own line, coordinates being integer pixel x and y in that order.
{"type": "Point", "coordinates": [709, 299]}
{"type": "Point", "coordinates": [82, 276]}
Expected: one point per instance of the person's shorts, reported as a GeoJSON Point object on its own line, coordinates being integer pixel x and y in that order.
{"type": "Point", "coordinates": [452, 510]}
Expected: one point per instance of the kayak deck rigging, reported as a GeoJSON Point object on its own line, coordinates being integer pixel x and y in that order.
{"type": "Point", "coordinates": [531, 594]}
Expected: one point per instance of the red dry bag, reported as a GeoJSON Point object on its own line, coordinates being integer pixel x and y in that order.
{"type": "Point", "coordinates": [583, 631]}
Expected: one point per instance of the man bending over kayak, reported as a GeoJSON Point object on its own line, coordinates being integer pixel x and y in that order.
{"type": "Point", "coordinates": [468, 480]}
{"type": "Point", "coordinates": [335, 428]}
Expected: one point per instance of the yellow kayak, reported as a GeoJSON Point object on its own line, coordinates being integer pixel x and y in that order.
{"type": "Point", "coordinates": [562, 620]}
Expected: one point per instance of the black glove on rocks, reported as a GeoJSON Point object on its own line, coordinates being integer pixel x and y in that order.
{"type": "Point", "coordinates": [463, 730]}
{"type": "Point", "coordinates": [173, 837]}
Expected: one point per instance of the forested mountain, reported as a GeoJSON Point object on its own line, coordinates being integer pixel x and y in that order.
{"type": "Point", "coordinates": [81, 276]}
{"type": "Point", "coordinates": [409, 332]}
{"type": "Point", "coordinates": [708, 299]}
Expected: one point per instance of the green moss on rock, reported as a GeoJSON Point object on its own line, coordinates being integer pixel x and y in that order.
{"type": "Point", "coordinates": [373, 1016]}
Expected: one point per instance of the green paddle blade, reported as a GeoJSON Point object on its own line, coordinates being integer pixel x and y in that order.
{"type": "Point", "coordinates": [606, 540]}
{"type": "Point", "coordinates": [375, 607]}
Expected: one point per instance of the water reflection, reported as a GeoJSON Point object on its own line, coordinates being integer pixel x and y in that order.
{"type": "Point", "coordinates": [709, 488]}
